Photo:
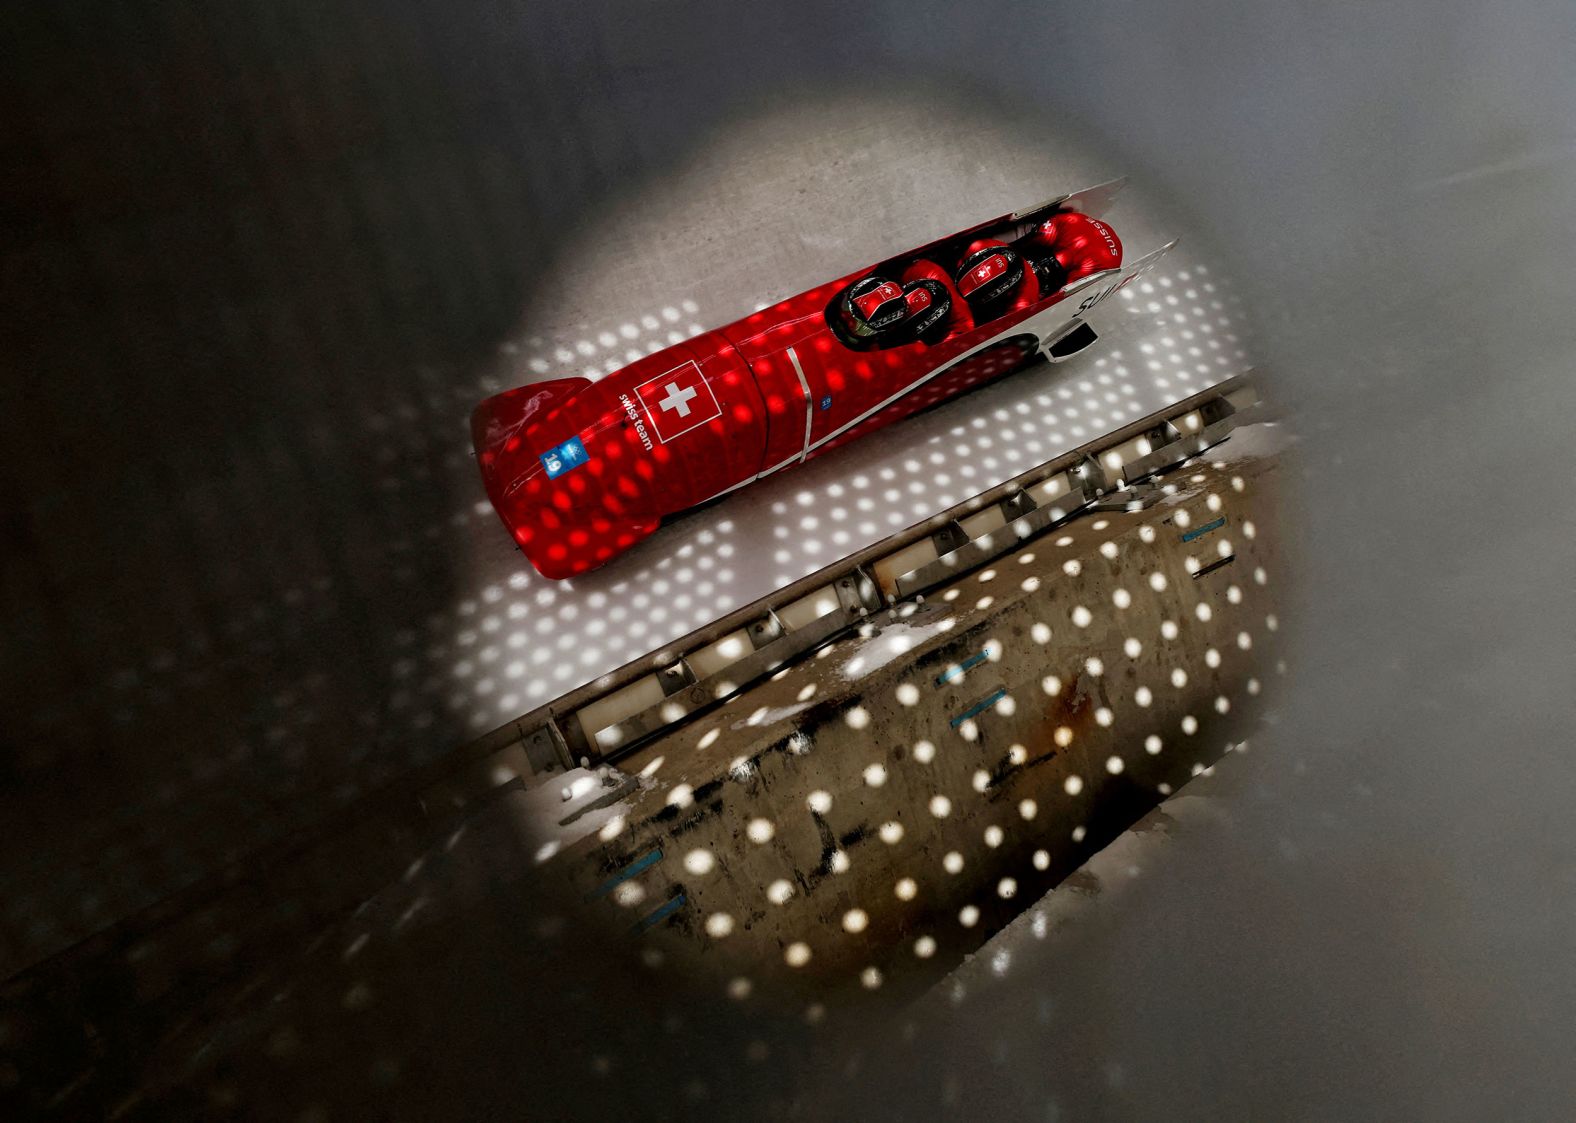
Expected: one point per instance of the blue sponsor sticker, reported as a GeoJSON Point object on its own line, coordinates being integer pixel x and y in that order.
{"type": "Point", "coordinates": [564, 458]}
{"type": "Point", "coordinates": [1200, 531]}
{"type": "Point", "coordinates": [826, 402]}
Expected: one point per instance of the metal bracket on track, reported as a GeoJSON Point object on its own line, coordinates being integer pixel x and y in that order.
{"type": "Point", "coordinates": [614, 740]}
{"type": "Point", "coordinates": [1218, 418]}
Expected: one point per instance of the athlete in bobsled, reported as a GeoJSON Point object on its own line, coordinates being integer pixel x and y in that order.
{"type": "Point", "coordinates": [1062, 249]}
{"type": "Point", "coordinates": [990, 277]}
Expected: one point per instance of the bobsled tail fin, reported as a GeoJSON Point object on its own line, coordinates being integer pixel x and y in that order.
{"type": "Point", "coordinates": [1135, 269]}
{"type": "Point", "coordinates": [1098, 287]}
{"type": "Point", "coordinates": [1143, 263]}
{"type": "Point", "coordinates": [1084, 295]}
{"type": "Point", "coordinates": [1092, 201]}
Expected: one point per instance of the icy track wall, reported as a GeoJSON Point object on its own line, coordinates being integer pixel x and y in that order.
{"type": "Point", "coordinates": [262, 260]}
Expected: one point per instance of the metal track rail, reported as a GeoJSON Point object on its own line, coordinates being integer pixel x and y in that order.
{"type": "Point", "coordinates": [607, 718]}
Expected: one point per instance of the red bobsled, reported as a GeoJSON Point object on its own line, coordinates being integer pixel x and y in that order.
{"type": "Point", "coordinates": [580, 471]}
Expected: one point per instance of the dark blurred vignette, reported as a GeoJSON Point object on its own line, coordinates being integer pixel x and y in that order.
{"type": "Point", "coordinates": [255, 263]}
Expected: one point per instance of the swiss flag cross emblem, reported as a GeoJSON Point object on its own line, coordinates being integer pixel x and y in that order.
{"type": "Point", "coordinates": [678, 401]}
{"type": "Point", "coordinates": [990, 267]}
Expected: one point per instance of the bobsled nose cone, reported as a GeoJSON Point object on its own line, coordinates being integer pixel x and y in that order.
{"type": "Point", "coordinates": [554, 507]}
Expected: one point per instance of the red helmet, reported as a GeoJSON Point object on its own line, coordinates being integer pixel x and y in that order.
{"type": "Point", "coordinates": [929, 308]}
{"type": "Point", "coordinates": [870, 307]}
{"type": "Point", "coordinates": [989, 273]}
{"type": "Point", "coordinates": [1080, 244]}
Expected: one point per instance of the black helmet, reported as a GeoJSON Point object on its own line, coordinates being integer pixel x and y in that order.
{"type": "Point", "coordinates": [989, 273]}
{"type": "Point", "coordinates": [870, 307]}
{"type": "Point", "coordinates": [1049, 272]}
{"type": "Point", "coordinates": [929, 304]}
